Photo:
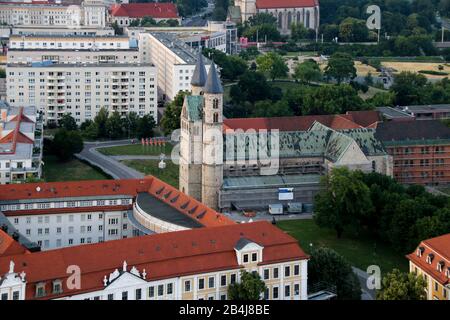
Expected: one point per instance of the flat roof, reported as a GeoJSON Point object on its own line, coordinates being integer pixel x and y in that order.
{"type": "Point", "coordinates": [270, 181]}
{"type": "Point", "coordinates": [427, 108]}
{"type": "Point", "coordinates": [393, 113]}
{"type": "Point", "coordinates": [161, 210]}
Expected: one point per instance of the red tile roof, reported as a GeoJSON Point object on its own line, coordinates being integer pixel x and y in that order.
{"type": "Point", "coordinates": [351, 120]}
{"type": "Point", "coordinates": [272, 4]}
{"type": "Point", "coordinates": [440, 248]}
{"type": "Point", "coordinates": [129, 187]}
{"type": "Point", "coordinates": [15, 136]}
{"type": "Point", "coordinates": [163, 255]}
{"type": "Point", "coordinates": [141, 10]}
{"type": "Point", "coordinates": [8, 246]}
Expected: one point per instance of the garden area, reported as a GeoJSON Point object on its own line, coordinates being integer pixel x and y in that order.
{"type": "Point", "coordinates": [73, 169]}
{"type": "Point", "coordinates": [150, 167]}
{"type": "Point", "coordinates": [137, 150]}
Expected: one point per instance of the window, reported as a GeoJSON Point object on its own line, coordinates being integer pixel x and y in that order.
{"type": "Point", "coordinates": [211, 282]}
{"type": "Point", "coordinates": [215, 117]}
{"type": "Point", "coordinates": [275, 273]}
{"type": "Point", "coordinates": [296, 270]}
{"type": "Point", "coordinates": [187, 286]}
{"type": "Point", "coordinates": [138, 294]}
{"type": "Point", "coordinates": [40, 290]}
{"type": "Point", "coordinates": [223, 297]}
{"type": "Point", "coordinates": [254, 257]}
{"type": "Point", "coordinates": [287, 291]}
{"type": "Point", "coordinates": [233, 278]}
{"type": "Point", "coordinates": [169, 288]}
{"type": "Point", "coordinates": [57, 287]}
{"type": "Point", "coordinates": [266, 274]}
{"type": "Point", "coordinates": [125, 295]}
{"type": "Point", "coordinates": [223, 280]}
{"type": "Point", "coordinates": [111, 296]}
{"type": "Point", "coordinates": [436, 286]}
{"type": "Point", "coordinates": [245, 259]}
{"type": "Point", "coordinates": [201, 284]}
{"type": "Point", "coordinates": [160, 290]}
{"type": "Point", "coordinates": [266, 294]}
{"type": "Point", "coordinates": [4, 296]}
{"type": "Point", "coordinates": [16, 295]}
{"type": "Point", "coordinates": [151, 292]}
{"type": "Point", "coordinates": [287, 271]}
{"type": "Point", "coordinates": [275, 293]}
{"type": "Point", "coordinates": [296, 289]}
{"type": "Point", "coordinates": [215, 103]}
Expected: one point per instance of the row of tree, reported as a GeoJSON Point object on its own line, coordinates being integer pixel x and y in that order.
{"type": "Point", "coordinates": [374, 203]}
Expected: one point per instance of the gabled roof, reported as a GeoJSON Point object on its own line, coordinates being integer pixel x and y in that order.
{"type": "Point", "coordinates": [141, 10]}
{"type": "Point", "coordinates": [163, 256]}
{"type": "Point", "coordinates": [8, 246]}
{"type": "Point", "coordinates": [213, 83]}
{"type": "Point", "coordinates": [272, 4]}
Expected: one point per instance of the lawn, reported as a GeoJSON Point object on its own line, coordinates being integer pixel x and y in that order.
{"type": "Point", "coordinates": [284, 85]}
{"type": "Point", "coordinates": [74, 169]}
{"type": "Point", "coordinates": [360, 251]}
{"type": "Point", "coordinates": [136, 150]}
{"type": "Point", "coordinates": [150, 167]}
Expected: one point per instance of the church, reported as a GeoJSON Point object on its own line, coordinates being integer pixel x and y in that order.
{"type": "Point", "coordinates": [287, 12]}
{"type": "Point", "coordinates": [247, 163]}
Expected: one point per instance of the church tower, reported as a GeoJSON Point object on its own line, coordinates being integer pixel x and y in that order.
{"type": "Point", "coordinates": [212, 166]}
{"type": "Point", "coordinates": [191, 138]}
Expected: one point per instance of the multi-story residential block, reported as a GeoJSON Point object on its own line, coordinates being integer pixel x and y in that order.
{"type": "Point", "coordinates": [83, 89]}
{"type": "Point", "coordinates": [21, 139]}
{"type": "Point", "coordinates": [420, 150]}
{"type": "Point", "coordinates": [62, 214]}
{"type": "Point", "coordinates": [125, 13]}
{"type": "Point", "coordinates": [431, 260]}
{"type": "Point", "coordinates": [62, 31]}
{"type": "Point", "coordinates": [49, 13]}
{"type": "Point", "coordinates": [196, 264]}
{"type": "Point", "coordinates": [174, 60]}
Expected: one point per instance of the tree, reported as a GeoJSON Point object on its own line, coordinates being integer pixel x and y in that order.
{"type": "Point", "coordinates": [67, 122]}
{"type": "Point", "coordinates": [91, 132]}
{"type": "Point", "coordinates": [252, 86]}
{"type": "Point", "coordinates": [328, 267]}
{"type": "Point", "coordinates": [407, 87]}
{"type": "Point", "coordinates": [398, 285]}
{"type": "Point", "coordinates": [171, 118]}
{"type": "Point", "coordinates": [249, 288]}
{"type": "Point", "coordinates": [114, 126]}
{"type": "Point", "coordinates": [353, 30]}
{"type": "Point", "coordinates": [66, 143]}
{"type": "Point", "coordinates": [343, 201]}
{"type": "Point", "coordinates": [267, 108]}
{"type": "Point", "coordinates": [308, 71]}
{"type": "Point", "coordinates": [147, 22]}
{"type": "Point", "coordinates": [2, 73]}
{"type": "Point", "coordinates": [382, 99]}
{"type": "Point", "coordinates": [272, 64]}
{"type": "Point", "coordinates": [130, 124]}
{"type": "Point", "coordinates": [340, 67]}
{"type": "Point", "coordinates": [100, 120]}
{"type": "Point", "coordinates": [298, 32]}
{"type": "Point", "coordinates": [145, 126]}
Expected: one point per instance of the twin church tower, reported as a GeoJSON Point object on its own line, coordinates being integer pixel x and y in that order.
{"type": "Point", "coordinates": [201, 141]}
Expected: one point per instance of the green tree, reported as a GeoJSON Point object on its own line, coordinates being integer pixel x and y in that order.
{"type": "Point", "coordinates": [249, 288]}
{"type": "Point", "coordinates": [398, 285]}
{"type": "Point", "coordinates": [114, 126]}
{"type": "Point", "coordinates": [267, 108]}
{"type": "Point", "coordinates": [382, 99]}
{"type": "Point", "coordinates": [67, 122]}
{"type": "Point", "coordinates": [353, 30]}
{"type": "Point", "coordinates": [340, 67]}
{"type": "Point", "coordinates": [100, 120]}
{"type": "Point", "coordinates": [343, 202]}
{"type": "Point", "coordinates": [273, 65]}
{"type": "Point", "coordinates": [145, 126]}
{"type": "Point", "coordinates": [130, 123]}
{"type": "Point", "coordinates": [91, 131]}
{"type": "Point", "coordinates": [2, 73]}
{"type": "Point", "coordinates": [328, 267]}
{"type": "Point", "coordinates": [298, 32]}
{"type": "Point", "coordinates": [171, 117]}
{"type": "Point", "coordinates": [147, 22]}
{"type": "Point", "coordinates": [252, 86]}
{"type": "Point", "coordinates": [66, 143]}
{"type": "Point", "coordinates": [407, 87]}
{"type": "Point", "coordinates": [308, 71]}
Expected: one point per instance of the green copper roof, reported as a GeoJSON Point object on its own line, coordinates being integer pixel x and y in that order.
{"type": "Point", "coordinates": [194, 105]}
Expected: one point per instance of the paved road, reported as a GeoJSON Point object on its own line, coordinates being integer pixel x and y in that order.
{"type": "Point", "coordinates": [111, 166]}
{"type": "Point", "coordinates": [137, 157]}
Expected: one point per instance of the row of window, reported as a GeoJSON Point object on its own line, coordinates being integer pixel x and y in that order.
{"type": "Point", "coordinates": [65, 204]}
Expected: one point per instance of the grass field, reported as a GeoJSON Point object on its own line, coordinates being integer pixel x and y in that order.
{"type": "Point", "coordinates": [74, 169]}
{"type": "Point", "coordinates": [417, 66]}
{"type": "Point", "coordinates": [360, 251]}
{"type": "Point", "coordinates": [150, 167]}
{"type": "Point", "coordinates": [136, 150]}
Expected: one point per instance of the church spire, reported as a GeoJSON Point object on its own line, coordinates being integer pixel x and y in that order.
{"type": "Point", "coordinates": [199, 76]}
{"type": "Point", "coordinates": [213, 84]}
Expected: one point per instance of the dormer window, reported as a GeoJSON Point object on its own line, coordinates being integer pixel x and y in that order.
{"type": "Point", "coordinates": [254, 257]}
{"type": "Point", "coordinates": [420, 251]}
{"type": "Point", "coordinates": [40, 290]}
{"type": "Point", "coordinates": [430, 258]}
{"type": "Point", "coordinates": [440, 265]}
{"type": "Point", "coordinates": [57, 287]}
{"type": "Point", "coordinates": [245, 258]}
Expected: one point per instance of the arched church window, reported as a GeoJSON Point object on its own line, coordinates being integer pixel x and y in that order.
{"type": "Point", "coordinates": [299, 17]}
{"type": "Point", "coordinates": [289, 19]}
{"type": "Point", "coordinates": [308, 14]}
{"type": "Point", "coordinates": [216, 103]}
{"type": "Point", "coordinates": [280, 20]}
{"type": "Point", "coordinates": [215, 117]}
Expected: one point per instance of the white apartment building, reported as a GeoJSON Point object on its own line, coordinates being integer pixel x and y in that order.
{"type": "Point", "coordinates": [62, 31]}
{"type": "Point", "coordinates": [83, 89]}
{"type": "Point", "coordinates": [21, 136]}
{"type": "Point", "coordinates": [89, 13]}
{"type": "Point", "coordinates": [68, 42]}
{"type": "Point", "coordinates": [174, 60]}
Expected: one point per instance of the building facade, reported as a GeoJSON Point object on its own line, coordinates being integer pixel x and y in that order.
{"type": "Point", "coordinates": [21, 144]}
{"type": "Point", "coordinates": [287, 12]}
{"type": "Point", "coordinates": [89, 13]}
{"type": "Point", "coordinates": [174, 60]}
{"type": "Point", "coordinates": [431, 260]}
{"type": "Point", "coordinates": [83, 89]}
{"type": "Point", "coordinates": [420, 150]}
{"type": "Point", "coordinates": [201, 268]}
{"type": "Point", "coordinates": [124, 14]}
